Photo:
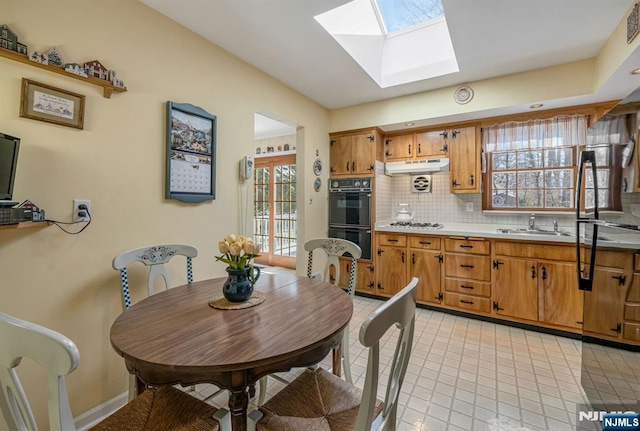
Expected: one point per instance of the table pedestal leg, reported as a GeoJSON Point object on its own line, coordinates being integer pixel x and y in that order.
{"type": "Point", "coordinates": [238, 405]}
{"type": "Point", "coordinates": [337, 361]}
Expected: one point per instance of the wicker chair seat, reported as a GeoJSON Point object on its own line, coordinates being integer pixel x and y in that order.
{"type": "Point", "coordinates": [162, 409]}
{"type": "Point", "coordinates": [315, 401]}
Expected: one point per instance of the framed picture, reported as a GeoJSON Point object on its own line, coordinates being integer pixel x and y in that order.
{"type": "Point", "coordinates": [633, 22]}
{"type": "Point", "coordinates": [191, 153]}
{"type": "Point", "coordinates": [52, 105]}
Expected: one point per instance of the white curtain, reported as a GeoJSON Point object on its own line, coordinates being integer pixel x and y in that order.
{"type": "Point", "coordinates": [532, 134]}
{"type": "Point", "coordinates": [608, 130]}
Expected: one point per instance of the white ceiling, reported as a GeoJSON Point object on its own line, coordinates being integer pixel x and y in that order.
{"type": "Point", "coordinates": [490, 37]}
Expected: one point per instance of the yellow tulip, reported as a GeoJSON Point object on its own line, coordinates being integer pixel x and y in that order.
{"type": "Point", "coordinates": [223, 246]}
{"type": "Point", "coordinates": [235, 249]}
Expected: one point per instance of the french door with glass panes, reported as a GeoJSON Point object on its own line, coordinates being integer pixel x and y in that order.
{"type": "Point", "coordinates": [275, 211]}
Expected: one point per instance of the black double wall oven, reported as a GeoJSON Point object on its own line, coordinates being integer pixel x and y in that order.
{"type": "Point", "coordinates": [350, 211]}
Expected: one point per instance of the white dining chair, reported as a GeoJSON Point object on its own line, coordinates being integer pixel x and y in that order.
{"type": "Point", "coordinates": [332, 249]}
{"type": "Point", "coordinates": [155, 257]}
{"type": "Point", "coordinates": [319, 400]}
{"type": "Point", "coordinates": [160, 409]}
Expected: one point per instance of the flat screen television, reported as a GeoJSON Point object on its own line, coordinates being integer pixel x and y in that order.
{"type": "Point", "coordinates": [9, 146]}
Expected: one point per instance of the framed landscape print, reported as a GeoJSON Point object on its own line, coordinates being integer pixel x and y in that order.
{"type": "Point", "coordinates": [191, 153]}
{"type": "Point", "coordinates": [50, 104]}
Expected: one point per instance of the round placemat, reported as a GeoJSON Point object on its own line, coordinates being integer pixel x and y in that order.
{"type": "Point", "coordinates": [220, 302]}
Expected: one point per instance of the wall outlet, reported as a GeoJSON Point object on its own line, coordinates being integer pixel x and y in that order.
{"type": "Point", "coordinates": [469, 207]}
{"type": "Point", "coordinates": [77, 211]}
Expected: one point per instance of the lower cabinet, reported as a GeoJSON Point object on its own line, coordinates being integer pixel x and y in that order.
{"type": "Point", "coordinates": [522, 281]}
{"type": "Point", "coordinates": [425, 263]}
{"type": "Point", "coordinates": [515, 288]}
{"type": "Point", "coordinates": [391, 267]}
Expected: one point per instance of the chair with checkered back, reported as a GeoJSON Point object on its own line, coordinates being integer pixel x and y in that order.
{"type": "Point", "coordinates": [155, 257]}
{"type": "Point", "coordinates": [332, 249]}
{"type": "Point", "coordinates": [164, 408]}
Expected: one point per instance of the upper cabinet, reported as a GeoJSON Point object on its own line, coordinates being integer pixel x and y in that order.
{"type": "Point", "coordinates": [354, 154]}
{"type": "Point", "coordinates": [464, 159]}
{"type": "Point", "coordinates": [415, 146]}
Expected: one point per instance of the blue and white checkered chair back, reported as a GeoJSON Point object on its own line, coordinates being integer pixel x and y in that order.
{"type": "Point", "coordinates": [154, 257]}
{"type": "Point", "coordinates": [334, 248]}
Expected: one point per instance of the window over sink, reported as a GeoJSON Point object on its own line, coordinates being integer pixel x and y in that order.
{"type": "Point", "coordinates": [532, 165]}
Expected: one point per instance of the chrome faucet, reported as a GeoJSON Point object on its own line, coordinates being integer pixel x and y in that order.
{"type": "Point", "coordinates": [555, 226]}
{"type": "Point", "coordinates": [532, 222]}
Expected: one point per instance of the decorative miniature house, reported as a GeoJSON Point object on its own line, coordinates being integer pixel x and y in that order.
{"type": "Point", "coordinates": [75, 68]}
{"type": "Point", "coordinates": [39, 57]}
{"type": "Point", "coordinates": [9, 40]}
{"type": "Point", "coordinates": [96, 69]}
{"type": "Point", "coordinates": [54, 57]}
{"type": "Point", "coordinates": [113, 78]}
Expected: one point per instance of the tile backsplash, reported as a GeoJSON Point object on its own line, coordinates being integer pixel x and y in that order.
{"type": "Point", "coordinates": [441, 206]}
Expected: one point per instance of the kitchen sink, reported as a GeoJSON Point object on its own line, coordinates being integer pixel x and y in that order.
{"type": "Point", "coordinates": [534, 232]}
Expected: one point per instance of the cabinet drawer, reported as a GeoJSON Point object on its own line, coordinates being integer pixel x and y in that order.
{"type": "Point", "coordinates": [467, 287]}
{"type": "Point", "coordinates": [631, 331]}
{"type": "Point", "coordinates": [424, 242]}
{"type": "Point", "coordinates": [468, 266]}
{"type": "Point", "coordinates": [610, 258]}
{"type": "Point", "coordinates": [471, 245]}
{"type": "Point", "coordinates": [536, 251]}
{"type": "Point", "coordinates": [393, 240]}
{"type": "Point", "coordinates": [632, 312]}
{"type": "Point", "coordinates": [467, 302]}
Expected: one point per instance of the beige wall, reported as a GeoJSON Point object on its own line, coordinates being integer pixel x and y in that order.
{"type": "Point", "coordinates": [66, 282]}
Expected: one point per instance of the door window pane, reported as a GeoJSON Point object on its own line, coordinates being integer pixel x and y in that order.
{"type": "Point", "coordinates": [529, 159]}
{"type": "Point", "coordinates": [530, 198]}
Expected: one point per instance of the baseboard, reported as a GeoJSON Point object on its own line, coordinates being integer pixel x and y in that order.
{"type": "Point", "coordinates": [91, 417]}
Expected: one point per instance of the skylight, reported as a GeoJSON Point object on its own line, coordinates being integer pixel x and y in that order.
{"type": "Point", "coordinates": [419, 48]}
{"type": "Point", "coordinates": [401, 14]}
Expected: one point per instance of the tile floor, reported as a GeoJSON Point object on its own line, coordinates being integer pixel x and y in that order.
{"type": "Point", "coordinates": [466, 374]}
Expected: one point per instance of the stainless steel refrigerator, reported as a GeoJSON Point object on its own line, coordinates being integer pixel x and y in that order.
{"type": "Point", "coordinates": [608, 264]}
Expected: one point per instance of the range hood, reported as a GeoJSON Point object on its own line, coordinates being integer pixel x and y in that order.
{"type": "Point", "coordinates": [415, 167]}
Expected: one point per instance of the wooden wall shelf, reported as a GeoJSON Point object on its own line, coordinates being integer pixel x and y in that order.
{"type": "Point", "coordinates": [108, 88]}
{"type": "Point", "coordinates": [25, 225]}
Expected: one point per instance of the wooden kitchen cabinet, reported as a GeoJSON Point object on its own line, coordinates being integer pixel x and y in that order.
{"type": "Point", "coordinates": [364, 275]}
{"type": "Point", "coordinates": [399, 147]}
{"type": "Point", "coordinates": [561, 302]}
{"type": "Point", "coordinates": [515, 288]}
{"type": "Point", "coordinates": [391, 264]}
{"type": "Point", "coordinates": [353, 154]}
{"type": "Point", "coordinates": [426, 263]}
{"type": "Point", "coordinates": [467, 267]}
{"type": "Point", "coordinates": [464, 159]}
{"type": "Point", "coordinates": [532, 282]}
{"type": "Point", "coordinates": [422, 145]}
{"type": "Point", "coordinates": [604, 305]}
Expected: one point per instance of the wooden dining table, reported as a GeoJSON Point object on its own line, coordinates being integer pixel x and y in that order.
{"type": "Point", "coordinates": [175, 337]}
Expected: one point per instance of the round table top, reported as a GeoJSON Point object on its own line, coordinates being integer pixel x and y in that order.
{"type": "Point", "coordinates": [178, 329]}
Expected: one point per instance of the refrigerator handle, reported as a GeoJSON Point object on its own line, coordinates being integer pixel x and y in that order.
{"type": "Point", "coordinates": [586, 283]}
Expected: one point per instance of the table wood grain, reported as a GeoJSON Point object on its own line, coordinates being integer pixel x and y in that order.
{"type": "Point", "coordinates": [175, 337]}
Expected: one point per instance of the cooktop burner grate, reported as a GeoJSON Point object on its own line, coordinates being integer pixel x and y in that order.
{"type": "Point", "coordinates": [418, 225]}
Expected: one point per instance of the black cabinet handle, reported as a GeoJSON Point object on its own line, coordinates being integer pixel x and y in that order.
{"type": "Point", "coordinates": [454, 134]}
{"type": "Point", "coordinates": [622, 279]}
{"type": "Point", "coordinates": [466, 246]}
{"type": "Point", "coordinates": [371, 269]}
{"type": "Point", "coordinates": [353, 166]}
{"type": "Point", "coordinates": [472, 180]}
{"type": "Point", "coordinates": [419, 148]}
{"type": "Point", "coordinates": [409, 149]}
{"type": "Point", "coordinates": [370, 285]}
{"type": "Point", "coordinates": [347, 166]}
{"type": "Point", "coordinates": [392, 240]}
{"type": "Point", "coordinates": [466, 302]}
{"type": "Point", "coordinates": [425, 242]}
{"type": "Point", "coordinates": [403, 257]}
{"type": "Point", "coordinates": [413, 258]}
{"type": "Point", "coordinates": [466, 266]}
{"type": "Point", "coordinates": [466, 287]}
{"type": "Point", "coordinates": [544, 273]}
{"type": "Point", "coordinates": [533, 271]}
{"type": "Point", "coordinates": [380, 251]}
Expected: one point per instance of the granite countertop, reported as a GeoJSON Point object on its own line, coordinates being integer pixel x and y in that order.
{"type": "Point", "coordinates": [492, 231]}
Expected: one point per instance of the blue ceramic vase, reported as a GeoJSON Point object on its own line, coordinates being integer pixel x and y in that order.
{"type": "Point", "coordinates": [239, 284]}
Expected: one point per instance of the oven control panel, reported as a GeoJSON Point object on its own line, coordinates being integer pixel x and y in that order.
{"type": "Point", "coordinates": [350, 184]}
